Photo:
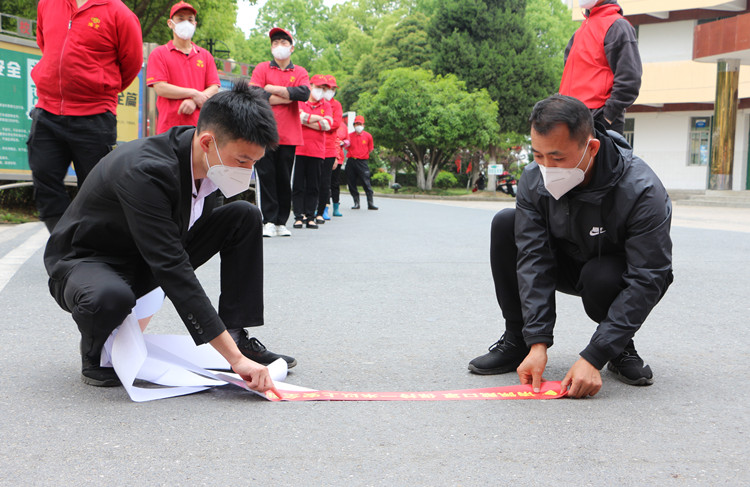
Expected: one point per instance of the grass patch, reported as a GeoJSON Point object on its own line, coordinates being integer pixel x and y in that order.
{"type": "Point", "coordinates": [18, 215]}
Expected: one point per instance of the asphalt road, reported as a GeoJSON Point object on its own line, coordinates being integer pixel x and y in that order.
{"type": "Point", "coordinates": [394, 300]}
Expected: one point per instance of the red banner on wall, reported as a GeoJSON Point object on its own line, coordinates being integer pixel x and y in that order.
{"type": "Point", "coordinates": [549, 390]}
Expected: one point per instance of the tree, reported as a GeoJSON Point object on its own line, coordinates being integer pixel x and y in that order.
{"type": "Point", "coordinates": [488, 44]}
{"type": "Point", "coordinates": [427, 119]}
{"type": "Point", "coordinates": [552, 26]}
{"type": "Point", "coordinates": [404, 44]}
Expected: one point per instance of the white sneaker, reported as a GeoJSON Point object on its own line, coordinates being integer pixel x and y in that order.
{"type": "Point", "coordinates": [269, 230]}
{"type": "Point", "coordinates": [282, 231]}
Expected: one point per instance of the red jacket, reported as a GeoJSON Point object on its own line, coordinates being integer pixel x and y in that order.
{"type": "Point", "coordinates": [89, 55]}
{"type": "Point", "coordinates": [588, 75]}
{"type": "Point", "coordinates": [332, 143]}
{"type": "Point", "coordinates": [360, 145]}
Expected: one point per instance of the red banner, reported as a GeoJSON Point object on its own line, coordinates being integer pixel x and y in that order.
{"type": "Point", "coordinates": [549, 390]}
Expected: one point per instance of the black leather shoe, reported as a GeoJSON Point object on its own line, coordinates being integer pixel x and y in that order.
{"type": "Point", "coordinates": [95, 375]}
{"type": "Point", "coordinates": [257, 352]}
{"type": "Point", "coordinates": [372, 207]}
{"type": "Point", "coordinates": [628, 367]}
{"type": "Point", "coordinates": [356, 206]}
{"type": "Point", "coordinates": [505, 355]}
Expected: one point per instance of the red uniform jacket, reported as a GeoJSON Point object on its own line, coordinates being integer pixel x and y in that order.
{"type": "Point", "coordinates": [89, 55]}
{"type": "Point", "coordinates": [360, 145]}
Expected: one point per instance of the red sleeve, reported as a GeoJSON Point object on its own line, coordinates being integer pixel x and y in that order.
{"type": "Point", "coordinates": [130, 47]}
{"type": "Point", "coordinates": [212, 74]}
{"type": "Point", "coordinates": [370, 144]}
{"type": "Point", "coordinates": [303, 79]}
{"type": "Point", "coordinates": [338, 112]}
{"type": "Point", "coordinates": [258, 78]}
{"type": "Point", "coordinates": [156, 68]}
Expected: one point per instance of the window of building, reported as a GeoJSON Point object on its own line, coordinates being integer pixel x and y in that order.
{"type": "Point", "coordinates": [700, 141]}
{"type": "Point", "coordinates": [629, 131]}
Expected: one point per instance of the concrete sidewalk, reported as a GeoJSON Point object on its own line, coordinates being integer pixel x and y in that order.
{"type": "Point", "coordinates": [395, 300]}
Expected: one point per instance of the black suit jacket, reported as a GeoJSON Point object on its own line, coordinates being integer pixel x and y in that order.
{"type": "Point", "coordinates": [132, 213]}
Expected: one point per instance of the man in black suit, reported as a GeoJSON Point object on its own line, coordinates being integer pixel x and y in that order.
{"type": "Point", "coordinates": [145, 218]}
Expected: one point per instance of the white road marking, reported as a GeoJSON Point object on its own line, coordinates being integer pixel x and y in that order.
{"type": "Point", "coordinates": [13, 260]}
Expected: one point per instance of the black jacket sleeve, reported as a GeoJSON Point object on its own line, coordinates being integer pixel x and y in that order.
{"type": "Point", "coordinates": [621, 49]}
{"type": "Point", "coordinates": [299, 93]}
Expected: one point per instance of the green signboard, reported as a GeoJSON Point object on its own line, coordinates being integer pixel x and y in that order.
{"type": "Point", "coordinates": [17, 98]}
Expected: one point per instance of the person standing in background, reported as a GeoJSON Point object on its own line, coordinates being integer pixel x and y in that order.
{"type": "Point", "coordinates": [91, 51]}
{"type": "Point", "coordinates": [315, 116]}
{"type": "Point", "coordinates": [602, 64]}
{"type": "Point", "coordinates": [285, 85]}
{"type": "Point", "coordinates": [332, 150]}
{"type": "Point", "coordinates": [357, 165]}
{"type": "Point", "coordinates": [183, 75]}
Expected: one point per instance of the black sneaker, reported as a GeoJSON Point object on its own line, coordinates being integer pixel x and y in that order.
{"type": "Point", "coordinates": [95, 375]}
{"type": "Point", "coordinates": [629, 368]}
{"type": "Point", "coordinates": [504, 356]}
{"type": "Point", "coordinates": [257, 352]}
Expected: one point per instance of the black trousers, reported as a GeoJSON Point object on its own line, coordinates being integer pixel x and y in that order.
{"type": "Point", "coordinates": [597, 282]}
{"type": "Point", "coordinates": [336, 184]}
{"type": "Point", "coordinates": [358, 170]}
{"type": "Point", "coordinates": [326, 174]}
{"type": "Point", "coordinates": [101, 296]}
{"type": "Point", "coordinates": [306, 186]}
{"type": "Point", "coordinates": [56, 140]}
{"type": "Point", "coordinates": [274, 172]}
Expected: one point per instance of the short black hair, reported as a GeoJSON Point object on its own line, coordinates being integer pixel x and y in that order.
{"type": "Point", "coordinates": [281, 35]}
{"type": "Point", "coordinates": [242, 113]}
{"type": "Point", "coordinates": [560, 109]}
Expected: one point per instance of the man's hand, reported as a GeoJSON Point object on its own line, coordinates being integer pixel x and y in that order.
{"type": "Point", "coordinates": [583, 378]}
{"type": "Point", "coordinates": [199, 98]}
{"type": "Point", "coordinates": [187, 107]}
{"type": "Point", "coordinates": [256, 376]}
{"type": "Point", "coordinates": [531, 369]}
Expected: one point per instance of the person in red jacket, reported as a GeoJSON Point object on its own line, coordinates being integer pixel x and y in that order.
{"type": "Point", "coordinates": [315, 116]}
{"type": "Point", "coordinates": [286, 85]}
{"type": "Point", "coordinates": [602, 64]}
{"type": "Point", "coordinates": [183, 75]}
{"type": "Point", "coordinates": [332, 150]}
{"type": "Point", "coordinates": [342, 142]}
{"type": "Point", "coordinates": [357, 168]}
{"type": "Point", "coordinates": [91, 51]}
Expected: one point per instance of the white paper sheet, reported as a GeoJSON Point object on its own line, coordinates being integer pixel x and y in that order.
{"type": "Point", "coordinates": [173, 361]}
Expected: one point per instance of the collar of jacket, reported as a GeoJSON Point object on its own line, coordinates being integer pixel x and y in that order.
{"type": "Point", "coordinates": [275, 65]}
{"type": "Point", "coordinates": [184, 144]}
{"type": "Point", "coordinates": [604, 6]}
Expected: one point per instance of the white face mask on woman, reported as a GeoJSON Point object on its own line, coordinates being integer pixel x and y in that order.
{"type": "Point", "coordinates": [184, 30]}
{"type": "Point", "coordinates": [329, 94]}
{"type": "Point", "coordinates": [230, 180]}
{"type": "Point", "coordinates": [560, 180]}
{"type": "Point", "coordinates": [317, 93]}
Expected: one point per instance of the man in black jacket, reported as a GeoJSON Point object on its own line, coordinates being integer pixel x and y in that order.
{"type": "Point", "coordinates": [145, 218]}
{"type": "Point", "coordinates": [591, 220]}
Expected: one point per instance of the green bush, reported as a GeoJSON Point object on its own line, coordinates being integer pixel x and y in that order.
{"type": "Point", "coordinates": [380, 179]}
{"type": "Point", "coordinates": [445, 180]}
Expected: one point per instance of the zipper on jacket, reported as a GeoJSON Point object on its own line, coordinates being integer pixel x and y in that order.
{"type": "Point", "coordinates": [59, 69]}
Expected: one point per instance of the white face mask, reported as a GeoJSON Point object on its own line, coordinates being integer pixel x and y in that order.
{"type": "Point", "coordinates": [560, 180]}
{"type": "Point", "coordinates": [317, 93]}
{"type": "Point", "coordinates": [329, 94]}
{"type": "Point", "coordinates": [230, 180]}
{"type": "Point", "coordinates": [359, 128]}
{"type": "Point", "coordinates": [281, 52]}
{"type": "Point", "coordinates": [587, 4]}
{"type": "Point", "coordinates": [184, 30]}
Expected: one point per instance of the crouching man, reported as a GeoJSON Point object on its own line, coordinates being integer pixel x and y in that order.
{"type": "Point", "coordinates": [591, 220]}
{"type": "Point", "coordinates": [145, 218]}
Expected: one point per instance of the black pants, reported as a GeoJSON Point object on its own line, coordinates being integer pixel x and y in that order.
{"type": "Point", "coordinates": [324, 195]}
{"type": "Point", "coordinates": [101, 296]}
{"type": "Point", "coordinates": [358, 170]}
{"type": "Point", "coordinates": [306, 186]}
{"type": "Point", "coordinates": [274, 172]}
{"type": "Point", "coordinates": [56, 140]}
{"type": "Point", "coordinates": [597, 282]}
{"type": "Point", "coordinates": [336, 184]}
